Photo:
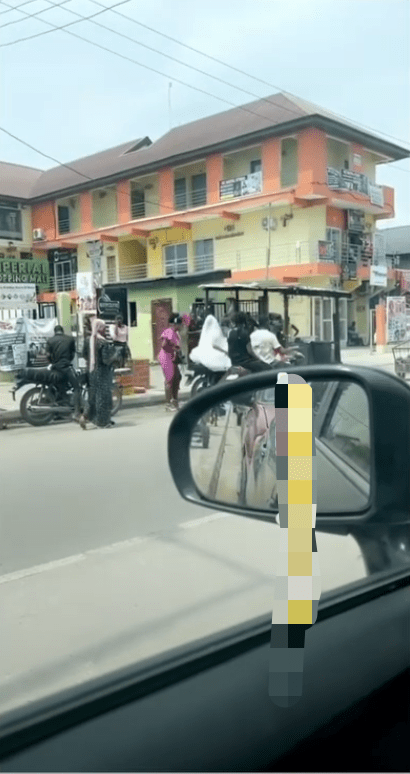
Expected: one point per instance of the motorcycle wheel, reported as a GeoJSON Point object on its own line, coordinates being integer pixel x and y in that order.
{"type": "Point", "coordinates": [32, 397]}
{"type": "Point", "coordinates": [116, 399]}
{"type": "Point", "coordinates": [200, 383]}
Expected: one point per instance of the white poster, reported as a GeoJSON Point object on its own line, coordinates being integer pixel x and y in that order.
{"type": "Point", "coordinates": [396, 319]}
{"type": "Point", "coordinates": [87, 297]}
{"type": "Point", "coordinates": [18, 296]}
{"type": "Point", "coordinates": [378, 276]}
{"type": "Point", "coordinates": [23, 342]}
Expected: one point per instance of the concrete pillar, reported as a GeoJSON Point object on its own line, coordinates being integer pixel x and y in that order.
{"type": "Point", "coordinates": [64, 311]}
{"type": "Point", "coordinates": [380, 328]}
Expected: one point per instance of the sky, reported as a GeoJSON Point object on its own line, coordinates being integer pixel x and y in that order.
{"type": "Point", "coordinates": [68, 98]}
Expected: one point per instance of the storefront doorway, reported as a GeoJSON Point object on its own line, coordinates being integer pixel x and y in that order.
{"type": "Point", "coordinates": [324, 309]}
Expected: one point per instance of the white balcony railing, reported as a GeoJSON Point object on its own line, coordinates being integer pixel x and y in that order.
{"type": "Point", "coordinates": [64, 226]}
{"type": "Point", "coordinates": [204, 262]}
{"type": "Point", "coordinates": [184, 200]}
{"type": "Point", "coordinates": [63, 283]}
{"type": "Point", "coordinates": [133, 273]}
{"type": "Point", "coordinates": [240, 186]}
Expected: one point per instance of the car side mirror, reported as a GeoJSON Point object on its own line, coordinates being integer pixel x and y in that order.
{"type": "Point", "coordinates": [222, 455]}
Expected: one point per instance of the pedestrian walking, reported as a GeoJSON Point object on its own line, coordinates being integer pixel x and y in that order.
{"type": "Point", "coordinates": [102, 357]}
{"type": "Point", "coordinates": [169, 359]}
{"type": "Point", "coordinates": [119, 335]}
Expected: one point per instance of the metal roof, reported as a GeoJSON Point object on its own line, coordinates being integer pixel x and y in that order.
{"type": "Point", "coordinates": [289, 290]}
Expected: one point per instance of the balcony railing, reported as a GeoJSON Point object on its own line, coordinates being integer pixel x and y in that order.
{"type": "Point", "coordinates": [62, 284]}
{"type": "Point", "coordinates": [133, 273]}
{"type": "Point", "coordinates": [176, 267]}
{"type": "Point", "coordinates": [240, 186]}
{"type": "Point", "coordinates": [204, 263]}
{"type": "Point", "coordinates": [345, 180]}
{"type": "Point", "coordinates": [64, 226]}
{"type": "Point", "coordinates": [137, 209]}
{"type": "Point", "coordinates": [187, 199]}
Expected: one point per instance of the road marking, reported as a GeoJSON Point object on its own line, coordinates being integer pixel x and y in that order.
{"type": "Point", "coordinates": [113, 548]}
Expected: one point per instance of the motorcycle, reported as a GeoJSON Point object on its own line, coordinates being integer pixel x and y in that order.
{"type": "Point", "coordinates": [44, 402]}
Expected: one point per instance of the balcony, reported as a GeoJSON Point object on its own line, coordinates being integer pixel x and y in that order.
{"type": "Point", "coordinates": [247, 185]}
{"type": "Point", "coordinates": [190, 191]}
{"type": "Point", "coordinates": [62, 284]}
{"type": "Point", "coordinates": [132, 273]}
{"type": "Point", "coordinates": [345, 180]}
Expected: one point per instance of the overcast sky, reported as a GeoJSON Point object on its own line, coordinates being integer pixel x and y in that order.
{"type": "Point", "coordinates": [70, 99]}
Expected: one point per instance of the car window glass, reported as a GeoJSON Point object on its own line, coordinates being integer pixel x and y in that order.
{"type": "Point", "coordinates": [347, 427]}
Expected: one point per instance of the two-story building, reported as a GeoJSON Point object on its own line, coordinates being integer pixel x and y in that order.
{"type": "Point", "coordinates": [16, 238]}
{"type": "Point", "coordinates": [278, 188]}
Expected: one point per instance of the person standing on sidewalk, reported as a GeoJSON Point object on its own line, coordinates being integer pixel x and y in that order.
{"type": "Point", "coordinates": [119, 335]}
{"type": "Point", "coordinates": [169, 359]}
{"type": "Point", "coordinates": [101, 363]}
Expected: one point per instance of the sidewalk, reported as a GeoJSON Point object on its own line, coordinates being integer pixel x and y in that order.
{"type": "Point", "coordinates": [9, 409]}
{"type": "Point", "coordinates": [10, 413]}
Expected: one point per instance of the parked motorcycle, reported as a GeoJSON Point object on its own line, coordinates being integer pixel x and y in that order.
{"type": "Point", "coordinates": [43, 403]}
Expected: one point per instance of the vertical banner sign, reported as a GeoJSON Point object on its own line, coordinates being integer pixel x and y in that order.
{"type": "Point", "coordinates": [297, 582]}
{"type": "Point", "coordinates": [23, 343]}
{"type": "Point", "coordinates": [111, 302]}
{"type": "Point", "coordinates": [396, 319]}
{"type": "Point", "coordinates": [86, 292]}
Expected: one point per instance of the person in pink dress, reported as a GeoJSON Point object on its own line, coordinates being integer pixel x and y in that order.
{"type": "Point", "coordinates": [169, 357]}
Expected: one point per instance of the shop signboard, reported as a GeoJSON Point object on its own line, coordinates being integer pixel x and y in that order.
{"type": "Point", "coordinates": [18, 296]}
{"type": "Point", "coordinates": [378, 276]}
{"type": "Point", "coordinates": [111, 302]}
{"type": "Point", "coordinates": [25, 271]}
{"type": "Point", "coordinates": [396, 319]}
{"type": "Point", "coordinates": [376, 194]}
{"type": "Point", "coordinates": [355, 220]}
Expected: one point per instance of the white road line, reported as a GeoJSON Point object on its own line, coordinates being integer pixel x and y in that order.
{"type": "Point", "coordinates": [102, 551]}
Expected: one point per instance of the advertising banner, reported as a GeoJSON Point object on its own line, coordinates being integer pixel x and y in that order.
{"type": "Point", "coordinates": [378, 276]}
{"type": "Point", "coordinates": [87, 297]}
{"type": "Point", "coordinates": [23, 342]}
{"type": "Point", "coordinates": [24, 271]}
{"type": "Point", "coordinates": [396, 319]}
{"type": "Point", "coordinates": [18, 296]}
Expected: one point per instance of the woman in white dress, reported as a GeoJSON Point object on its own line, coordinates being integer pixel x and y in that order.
{"type": "Point", "coordinates": [212, 350]}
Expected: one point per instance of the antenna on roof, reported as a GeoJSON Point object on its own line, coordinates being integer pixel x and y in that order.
{"type": "Point", "coordinates": [169, 105]}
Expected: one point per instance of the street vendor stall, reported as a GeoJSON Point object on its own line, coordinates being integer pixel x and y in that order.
{"type": "Point", "coordinates": [317, 351]}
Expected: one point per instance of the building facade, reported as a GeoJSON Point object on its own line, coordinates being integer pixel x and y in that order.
{"type": "Point", "coordinates": [275, 189]}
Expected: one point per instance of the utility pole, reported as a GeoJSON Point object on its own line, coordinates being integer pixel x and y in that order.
{"type": "Point", "coordinates": [269, 241]}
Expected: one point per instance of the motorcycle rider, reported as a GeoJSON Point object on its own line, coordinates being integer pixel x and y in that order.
{"type": "Point", "coordinates": [61, 352]}
{"type": "Point", "coordinates": [212, 350]}
{"type": "Point", "coordinates": [240, 347]}
{"type": "Point", "coordinates": [265, 344]}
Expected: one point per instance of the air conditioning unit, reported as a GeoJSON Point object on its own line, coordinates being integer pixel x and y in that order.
{"type": "Point", "coordinates": [272, 226]}
{"type": "Point", "coordinates": [38, 235]}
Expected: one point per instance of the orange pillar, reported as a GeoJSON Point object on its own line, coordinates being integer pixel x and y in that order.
{"type": "Point", "coordinates": [271, 165]}
{"type": "Point", "coordinates": [166, 190]}
{"type": "Point", "coordinates": [214, 175]}
{"type": "Point", "coordinates": [312, 161]}
{"type": "Point", "coordinates": [380, 327]}
{"type": "Point", "coordinates": [86, 211]}
{"type": "Point", "coordinates": [124, 201]}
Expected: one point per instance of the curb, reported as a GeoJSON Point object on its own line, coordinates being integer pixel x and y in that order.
{"type": "Point", "coordinates": [14, 417]}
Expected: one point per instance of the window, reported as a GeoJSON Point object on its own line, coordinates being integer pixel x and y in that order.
{"type": "Point", "coordinates": [180, 194]}
{"type": "Point", "coordinates": [111, 268]}
{"type": "Point", "coordinates": [176, 260]}
{"type": "Point", "coordinates": [204, 254]}
{"type": "Point", "coordinates": [256, 166]}
{"type": "Point", "coordinates": [289, 162]}
{"type": "Point", "coordinates": [133, 314]}
{"type": "Point", "coordinates": [333, 238]}
{"type": "Point", "coordinates": [10, 221]}
{"type": "Point", "coordinates": [63, 219]}
{"type": "Point", "coordinates": [198, 185]}
{"type": "Point", "coordinates": [347, 428]}
{"type": "Point", "coordinates": [137, 203]}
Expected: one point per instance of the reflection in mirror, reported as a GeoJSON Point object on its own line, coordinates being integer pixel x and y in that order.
{"type": "Point", "coordinates": [233, 456]}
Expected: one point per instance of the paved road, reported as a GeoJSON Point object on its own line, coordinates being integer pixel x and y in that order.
{"type": "Point", "coordinates": [65, 491]}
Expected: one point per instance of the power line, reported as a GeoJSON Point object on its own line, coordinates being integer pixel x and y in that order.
{"type": "Point", "coordinates": [62, 26]}
{"type": "Point", "coordinates": [16, 7]}
{"type": "Point", "coordinates": [231, 67]}
{"type": "Point", "coordinates": [118, 13]}
{"type": "Point", "coordinates": [32, 15]}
